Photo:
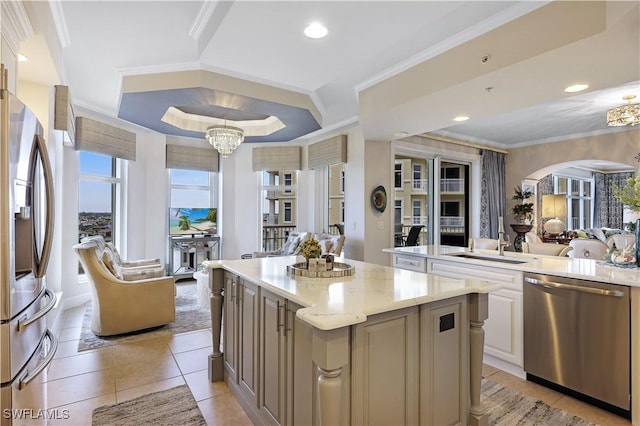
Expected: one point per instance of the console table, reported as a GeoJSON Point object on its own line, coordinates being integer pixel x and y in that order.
{"type": "Point", "coordinates": [186, 252]}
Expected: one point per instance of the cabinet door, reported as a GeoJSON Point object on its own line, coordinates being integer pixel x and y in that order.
{"type": "Point", "coordinates": [503, 328]}
{"type": "Point", "coordinates": [385, 369]}
{"type": "Point", "coordinates": [273, 357]}
{"type": "Point", "coordinates": [230, 320]}
{"type": "Point", "coordinates": [248, 339]}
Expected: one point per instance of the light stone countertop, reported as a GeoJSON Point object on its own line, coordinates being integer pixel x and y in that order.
{"type": "Point", "coordinates": [330, 303]}
{"type": "Point", "coordinates": [584, 269]}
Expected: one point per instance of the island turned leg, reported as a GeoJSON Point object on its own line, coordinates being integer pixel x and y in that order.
{"type": "Point", "coordinates": [478, 312]}
{"type": "Point", "coordinates": [216, 360]}
{"type": "Point", "coordinates": [331, 354]}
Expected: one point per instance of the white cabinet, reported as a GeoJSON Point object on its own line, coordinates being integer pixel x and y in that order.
{"type": "Point", "coordinates": [504, 327]}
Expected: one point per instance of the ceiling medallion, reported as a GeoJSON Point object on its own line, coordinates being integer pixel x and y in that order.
{"type": "Point", "coordinates": [224, 138]}
{"type": "Point", "coordinates": [624, 115]}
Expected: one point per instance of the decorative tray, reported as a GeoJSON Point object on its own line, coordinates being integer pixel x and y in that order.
{"type": "Point", "coordinates": [339, 270]}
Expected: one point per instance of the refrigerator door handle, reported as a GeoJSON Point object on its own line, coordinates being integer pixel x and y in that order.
{"type": "Point", "coordinates": [30, 375]}
{"type": "Point", "coordinates": [39, 149]}
{"type": "Point", "coordinates": [25, 321]}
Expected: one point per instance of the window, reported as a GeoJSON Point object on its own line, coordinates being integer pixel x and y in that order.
{"type": "Point", "coordinates": [98, 201]}
{"type": "Point", "coordinates": [97, 188]}
{"type": "Point", "coordinates": [398, 175]}
{"type": "Point", "coordinates": [287, 212]}
{"type": "Point", "coordinates": [417, 218]}
{"type": "Point", "coordinates": [418, 183]}
{"type": "Point", "coordinates": [579, 192]}
{"type": "Point", "coordinates": [450, 208]}
{"type": "Point", "coordinates": [278, 207]}
{"type": "Point", "coordinates": [191, 188]}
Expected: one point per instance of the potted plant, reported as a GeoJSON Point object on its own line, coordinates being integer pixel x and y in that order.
{"type": "Point", "coordinates": [522, 212]}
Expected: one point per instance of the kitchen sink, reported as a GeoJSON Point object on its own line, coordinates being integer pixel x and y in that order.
{"type": "Point", "coordinates": [487, 258]}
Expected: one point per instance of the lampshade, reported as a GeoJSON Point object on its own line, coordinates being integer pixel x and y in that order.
{"type": "Point", "coordinates": [224, 138]}
{"type": "Point", "coordinates": [555, 207]}
{"type": "Point", "coordinates": [624, 115]}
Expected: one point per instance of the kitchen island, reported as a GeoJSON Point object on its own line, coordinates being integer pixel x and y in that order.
{"type": "Point", "coordinates": [382, 346]}
{"type": "Point", "coordinates": [507, 327]}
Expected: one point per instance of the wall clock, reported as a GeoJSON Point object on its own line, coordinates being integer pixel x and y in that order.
{"type": "Point", "coordinates": [379, 198]}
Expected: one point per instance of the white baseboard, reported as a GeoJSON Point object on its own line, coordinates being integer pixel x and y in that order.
{"type": "Point", "coordinates": [73, 302]}
{"type": "Point", "coordinates": [505, 366]}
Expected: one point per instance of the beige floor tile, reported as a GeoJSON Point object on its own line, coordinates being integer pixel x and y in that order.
{"type": "Point", "coordinates": [79, 364]}
{"type": "Point", "coordinates": [193, 360]}
{"type": "Point", "coordinates": [533, 390]}
{"type": "Point", "coordinates": [142, 350]}
{"type": "Point", "coordinates": [80, 413]}
{"type": "Point", "coordinates": [131, 393]}
{"type": "Point", "coordinates": [65, 349]}
{"type": "Point", "coordinates": [148, 371]}
{"type": "Point", "coordinates": [488, 370]}
{"type": "Point", "coordinates": [83, 386]}
{"type": "Point", "coordinates": [189, 341]}
{"type": "Point", "coordinates": [202, 388]}
{"type": "Point", "coordinates": [73, 320]}
{"type": "Point", "coordinates": [589, 412]}
{"type": "Point", "coordinates": [71, 333]}
{"type": "Point", "coordinates": [223, 410]}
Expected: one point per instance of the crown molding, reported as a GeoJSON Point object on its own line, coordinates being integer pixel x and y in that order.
{"type": "Point", "coordinates": [60, 23]}
{"type": "Point", "coordinates": [16, 25]}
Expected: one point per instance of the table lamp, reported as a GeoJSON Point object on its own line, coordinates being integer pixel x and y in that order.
{"type": "Point", "coordinates": [554, 207]}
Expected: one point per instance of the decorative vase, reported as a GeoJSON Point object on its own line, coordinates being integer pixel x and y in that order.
{"type": "Point", "coordinates": [638, 242]}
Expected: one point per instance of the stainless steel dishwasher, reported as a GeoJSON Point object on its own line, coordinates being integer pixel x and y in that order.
{"type": "Point", "coordinates": [577, 337]}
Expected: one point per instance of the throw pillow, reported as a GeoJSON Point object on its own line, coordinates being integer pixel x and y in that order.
{"type": "Point", "coordinates": [114, 253]}
{"type": "Point", "coordinates": [110, 263]}
{"type": "Point", "coordinates": [326, 246]}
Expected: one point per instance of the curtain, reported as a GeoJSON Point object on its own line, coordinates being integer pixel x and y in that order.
{"type": "Point", "coordinates": [545, 187]}
{"type": "Point", "coordinates": [608, 210]}
{"type": "Point", "coordinates": [492, 201]}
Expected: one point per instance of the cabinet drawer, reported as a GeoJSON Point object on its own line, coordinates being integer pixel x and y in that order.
{"type": "Point", "coordinates": [508, 278]}
{"type": "Point", "coordinates": [411, 263]}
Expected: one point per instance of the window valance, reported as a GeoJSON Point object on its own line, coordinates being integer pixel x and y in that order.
{"type": "Point", "coordinates": [277, 158]}
{"type": "Point", "coordinates": [105, 139]}
{"type": "Point", "coordinates": [328, 152]}
{"type": "Point", "coordinates": [192, 158]}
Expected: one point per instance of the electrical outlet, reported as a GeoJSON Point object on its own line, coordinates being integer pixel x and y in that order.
{"type": "Point", "coordinates": [380, 226]}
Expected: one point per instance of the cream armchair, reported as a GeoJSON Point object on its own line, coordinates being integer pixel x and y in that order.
{"type": "Point", "coordinates": [132, 265]}
{"type": "Point", "coordinates": [549, 249]}
{"type": "Point", "coordinates": [124, 306]}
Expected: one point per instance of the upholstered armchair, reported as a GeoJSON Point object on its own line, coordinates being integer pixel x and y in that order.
{"type": "Point", "coordinates": [121, 306]}
{"type": "Point", "coordinates": [153, 266]}
{"type": "Point", "coordinates": [485, 243]}
{"type": "Point", "coordinates": [549, 249]}
{"type": "Point", "coordinates": [588, 249]}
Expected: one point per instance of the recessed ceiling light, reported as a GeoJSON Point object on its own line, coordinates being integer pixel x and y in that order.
{"type": "Point", "coordinates": [576, 88]}
{"type": "Point", "coordinates": [461, 118]}
{"type": "Point", "coordinates": [398, 135]}
{"type": "Point", "coordinates": [315, 30]}
{"type": "Point", "coordinates": [22, 58]}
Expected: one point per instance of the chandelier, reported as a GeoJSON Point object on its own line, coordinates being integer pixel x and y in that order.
{"type": "Point", "coordinates": [224, 138]}
{"type": "Point", "coordinates": [624, 115]}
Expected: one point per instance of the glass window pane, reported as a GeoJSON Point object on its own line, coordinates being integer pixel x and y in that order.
{"type": "Point", "coordinates": [95, 209]}
{"type": "Point", "coordinates": [194, 198]}
{"type": "Point", "coordinates": [562, 185]}
{"type": "Point", "coordinates": [96, 164]}
{"type": "Point", "coordinates": [189, 177]}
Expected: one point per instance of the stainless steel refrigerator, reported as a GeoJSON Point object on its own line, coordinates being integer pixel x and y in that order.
{"type": "Point", "coordinates": [27, 346]}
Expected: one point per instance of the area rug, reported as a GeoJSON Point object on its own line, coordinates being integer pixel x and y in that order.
{"type": "Point", "coordinates": [174, 406]}
{"type": "Point", "coordinates": [189, 317]}
{"type": "Point", "coordinates": [505, 406]}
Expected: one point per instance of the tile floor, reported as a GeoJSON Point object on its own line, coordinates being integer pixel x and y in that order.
{"type": "Point", "coordinates": [82, 381]}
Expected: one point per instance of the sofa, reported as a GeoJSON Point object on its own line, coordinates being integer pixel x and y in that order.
{"type": "Point", "coordinates": [330, 244]}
